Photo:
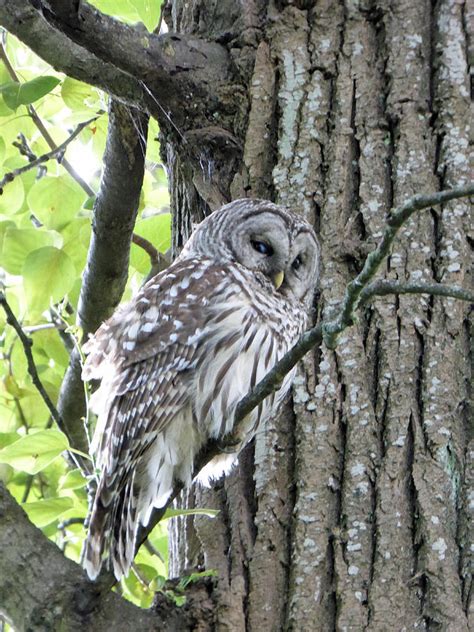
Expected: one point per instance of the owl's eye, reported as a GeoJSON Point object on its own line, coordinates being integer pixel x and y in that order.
{"type": "Point", "coordinates": [262, 247]}
{"type": "Point", "coordinates": [296, 263]}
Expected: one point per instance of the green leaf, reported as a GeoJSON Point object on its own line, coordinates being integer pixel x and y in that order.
{"type": "Point", "coordinates": [11, 200]}
{"type": "Point", "coordinates": [149, 12]}
{"type": "Point", "coordinates": [43, 512]}
{"type": "Point", "coordinates": [48, 347]}
{"type": "Point", "coordinates": [121, 9]}
{"type": "Point", "coordinates": [19, 242]}
{"type": "Point", "coordinates": [3, 149]}
{"type": "Point", "coordinates": [7, 438]}
{"type": "Point", "coordinates": [195, 577]}
{"type": "Point", "coordinates": [153, 148]}
{"type": "Point", "coordinates": [35, 451]}
{"type": "Point", "coordinates": [140, 594]}
{"type": "Point", "coordinates": [55, 200]}
{"type": "Point", "coordinates": [6, 473]}
{"type": "Point", "coordinates": [78, 95]}
{"type": "Point", "coordinates": [48, 275]}
{"type": "Point", "coordinates": [172, 513]}
{"type": "Point", "coordinates": [15, 94]}
{"type": "Point", "coordinates": [72, 480]}
{"type": "Point", "coordinates": [76, 237]}
{"type": "Point", "coordinates": [4, 226]}
{"type": "Point", "coordinates": [11, 386]}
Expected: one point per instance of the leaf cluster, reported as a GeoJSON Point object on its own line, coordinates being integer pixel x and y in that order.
{"type": "Point", "coordinates": [45, 228]}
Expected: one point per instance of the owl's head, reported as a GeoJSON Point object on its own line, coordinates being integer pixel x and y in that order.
{"type": "Point", "coordinates": [265, 238]}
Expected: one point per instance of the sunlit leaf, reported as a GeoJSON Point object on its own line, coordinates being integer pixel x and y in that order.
{"type": "Point", "coordinates": [35, 451]}
{"type": "Point", "coordinates": [48, 275]}
{"type": "Point", "coordinates": [76, 237]}
{"type": "Point", "coordinates": [18, 243]}
{"type": "Point", "coordinates": [78, 95]}
{"type": "Point", "coordinates": [48, 344]}
{"type": "Point", "coordinates": [195, 577]}
{"type": "Point", "coordinates": [43, 512]}
{"type": "Point", "coordinates": [3, 149]}
{"type": "Point", "coordinates": [138, 583]}
{"type": "Point", "coordinates": [153, 146]}
{"type": "Point", "coordinates": [15, 94]}
{"type": "Point", "coordinates": [72, 480]}
{"type": "Point", "coordinates": [4, 226]}
{"type": "Point", "coordinates": [6, 438]}
{"type": "Point", "coordinates": [120, 9]}
{"type": "Point", "coordinates": [55, 200]}
{"type": "Point", "coordinates": [6, 473]}
{"type": "Point", "coordinates": [99, 134]}
{"type": "Point", "coordinates": [11, 200]}
{"type": "Point", "coordinates": [11, 386]}
{"type": "Point", "coordinates": [148, 11]}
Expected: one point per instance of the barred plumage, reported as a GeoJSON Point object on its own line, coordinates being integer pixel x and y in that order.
{"type": "Point", "coordinates": [176, 360]}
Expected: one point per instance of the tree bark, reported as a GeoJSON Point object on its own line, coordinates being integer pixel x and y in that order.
{"type": "Point", "coordinates": [350, 511]}
{"type": "Point", "coordinates": [42, 591]}
{"type": "Point", "coordinates": [106, 271]}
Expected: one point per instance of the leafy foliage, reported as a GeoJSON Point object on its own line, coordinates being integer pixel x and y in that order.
{"type": "Point", "coordinates": [45, 218]}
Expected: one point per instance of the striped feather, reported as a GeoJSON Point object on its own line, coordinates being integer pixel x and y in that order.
{"type": "Point", "coordinates": [177, 368]}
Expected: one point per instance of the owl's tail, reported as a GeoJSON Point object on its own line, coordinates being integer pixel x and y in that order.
{"type": "Point", "coordinates": [112, 531]}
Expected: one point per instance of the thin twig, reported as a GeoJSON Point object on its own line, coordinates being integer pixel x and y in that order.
{"type": "Point", "coordinates": [327, 329]}
{"type": "Point", "coordinates": [23, 147]}
{"type": "Point", "coordinates": [383, 287]}
{"type": "Point", "coordinates": [395, 221]}
{"type": "Point", "coordinates": [28, 485]}
{"type": "Point", "coordinates": [34, 328]}
{"type": "Point", "coordinates": [153, 551]}
{"type": "Point", "coordinates": [27, 344]}
{"type": "Point", "coordinates": [44, 132]}
{"type": "Point", "coordinates": [54, 153]}
{"type": "Point", "coordinates": [158, 260]}
{"type": "Point", "coordinates": [66, 523]}
{"type": "Point", "coordinates": [148, 247]}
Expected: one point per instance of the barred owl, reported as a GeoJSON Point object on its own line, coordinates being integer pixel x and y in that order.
{"type": "Point", "coordinates": [175, 362]}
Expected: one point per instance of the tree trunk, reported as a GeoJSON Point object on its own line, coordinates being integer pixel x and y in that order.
{"type": "Point", "coordinates": [350, 511]}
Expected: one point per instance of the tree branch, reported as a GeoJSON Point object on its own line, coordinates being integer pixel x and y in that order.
{"type": "Point", "coordinates": [27, 344]}
{"type": "Point", "coordinates": [158, 73]}
{"type": "Point", "coordinates": [329, 329]}
{"type": "Point", "coordinates": [54, 153]}
{"type": "Point", "coordinates": [148, 247]}
{"type": "Point", "coordinates": [40, 589]}
{"type": "Point", "coordinates": [41, 127]}
{"type": "Point", "coordinates": [22, 19]}
{"type": "Point", "coordinates": [106, 270]}
{"type": "Point", "coordinates": [395, 221]}
{"type": "Point", "coordinates": [383, 287]}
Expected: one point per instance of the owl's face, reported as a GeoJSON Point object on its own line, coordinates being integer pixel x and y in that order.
{"type": "Point", "coordinates": [265, 238]}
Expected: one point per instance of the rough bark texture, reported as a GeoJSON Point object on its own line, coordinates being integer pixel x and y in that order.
{"type": "Point", "coordinates": [42, 591]}
{"type": "Point", "coordinates": [106, 271]}
{"type": "Point", "coordinates": [350, 512]}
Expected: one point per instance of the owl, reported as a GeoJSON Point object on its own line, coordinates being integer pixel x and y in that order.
{"type": "Point", "coordinates": [175, 362]}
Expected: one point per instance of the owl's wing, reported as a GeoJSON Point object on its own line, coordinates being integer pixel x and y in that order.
{"type": "Point", "coordinates": [143, 355]}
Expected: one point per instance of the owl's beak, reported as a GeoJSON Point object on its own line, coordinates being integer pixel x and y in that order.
{"type": "Point", "coordinates": [278, 279]}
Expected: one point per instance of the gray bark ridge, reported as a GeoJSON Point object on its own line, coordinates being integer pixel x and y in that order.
{"type": "Point", "coordinates": [42, 591]}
